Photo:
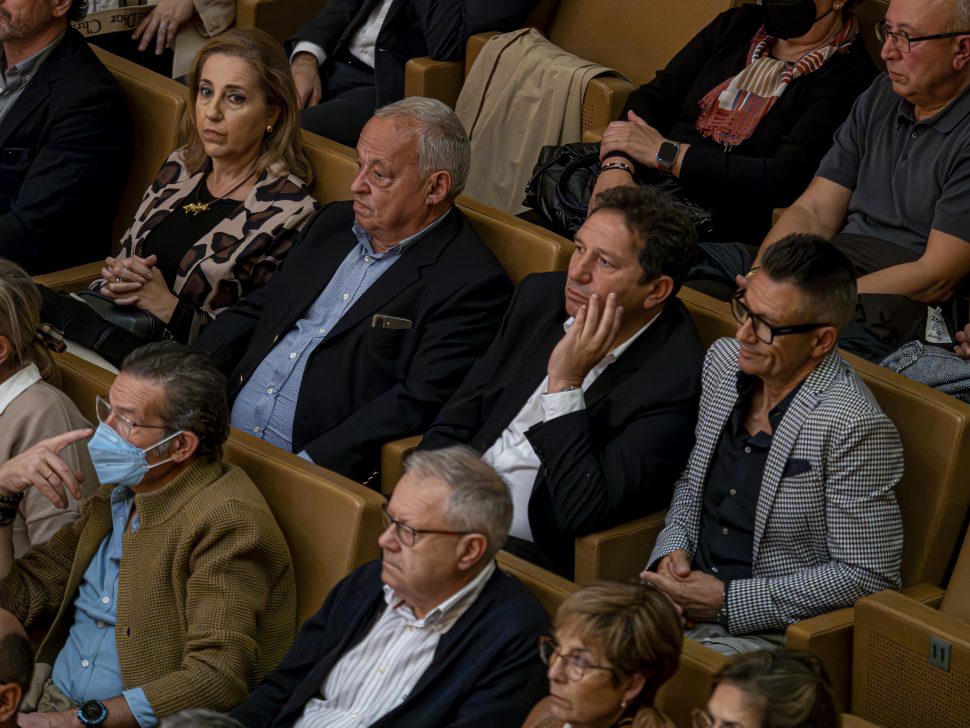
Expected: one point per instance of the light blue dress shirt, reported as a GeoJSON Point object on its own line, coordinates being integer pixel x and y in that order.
{"type": "Point", "coordinates": [266, 404]}
{"type": "Point", "coordinates": [87, 667]}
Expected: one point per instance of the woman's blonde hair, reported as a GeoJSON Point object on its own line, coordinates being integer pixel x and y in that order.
{"type": "Point", "coordinates": [20, 319]}
{"type": "Point", "coordinates": [633, 626]}
{"type": "Point", "coordinates": [283, 147]}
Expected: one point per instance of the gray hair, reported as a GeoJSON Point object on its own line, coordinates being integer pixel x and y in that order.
{"type": "Point", "coordinates": [200, 719]}
{"type": "Point", "coordinates": [195, 391]}
{"type": "Point", "coordinates": [442, 141]}
{"type": "Point", "coordinates": [479, 501]}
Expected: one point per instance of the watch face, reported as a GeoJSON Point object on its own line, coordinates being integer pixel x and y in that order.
{"type": "Point", "coordinates": [92, 710]}
{"type": "Point", "coordinates": [667, 153]}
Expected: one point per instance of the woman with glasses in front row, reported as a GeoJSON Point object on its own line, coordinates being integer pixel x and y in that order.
{"type": "Point", "coordinates": [615, 645]}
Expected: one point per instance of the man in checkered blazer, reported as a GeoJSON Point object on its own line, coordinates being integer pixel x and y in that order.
{"type": "Point", "coordinates": [787, 506]}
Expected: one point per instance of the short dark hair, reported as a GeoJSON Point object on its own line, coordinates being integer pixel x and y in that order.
{"type": "Point", "coordinates": [78, 9]}
{"type": "Point", "coordinates": [669, 237]}
{"type": "Point", "coordinates": [16, 660]}
{"type": "Point", "coordinates": [819, 270]}
{"type": "Point", "coordinates": [195, 391]}
{"type": "Point", "coordinates": [792, 687]}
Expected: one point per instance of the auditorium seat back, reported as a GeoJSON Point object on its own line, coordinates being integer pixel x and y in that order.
{"type": "Point", "coordinates": [279, 18]}
{"type": "Point", "coordinates": [521, 247]}
{"type": "Point", "coordinates": [634, 37]}
{"type": "Point", "coordinates": [155, 103]}
{"type": "Point", "coordinates": [330, 523]}
{"type": "Point", "coordinates": [935, 431]}
{"type": "Point", "coordinates": [550, 589]}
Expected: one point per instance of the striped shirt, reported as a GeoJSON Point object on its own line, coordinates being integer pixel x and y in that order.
{"type": "Point", "coordinates": [379, 673]}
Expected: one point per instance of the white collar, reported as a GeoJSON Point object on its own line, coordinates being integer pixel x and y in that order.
{"type": "Point", "coordinates": [15, 386]}
{"type": "Point", "coordinates": [474, 586]}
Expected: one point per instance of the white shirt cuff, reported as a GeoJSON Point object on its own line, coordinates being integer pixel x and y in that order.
{"type": "Point", "coordinates": [561, 403]}
{"type": "Point", "coordinates": [305, 46]}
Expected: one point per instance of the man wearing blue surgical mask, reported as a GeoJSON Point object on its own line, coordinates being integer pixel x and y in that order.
{"type": "Point", "coordinates": [178, 586]}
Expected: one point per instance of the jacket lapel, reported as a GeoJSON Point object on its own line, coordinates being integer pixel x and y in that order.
{"type": "Point", "coordinates": [422, 252]}
{"type": "Point", "coordinates": [33, 96]}
{"type": "Point", "coordinates": [783, 440]}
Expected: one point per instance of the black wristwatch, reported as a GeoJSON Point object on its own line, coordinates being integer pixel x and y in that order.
{"type": "Point", "coordinates": [92, 713]}
{"type": "Point", "coordinates": [667, 156]}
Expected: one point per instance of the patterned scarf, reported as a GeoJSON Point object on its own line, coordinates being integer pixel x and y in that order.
{"type": "Point", "coordinates": [732, 111]}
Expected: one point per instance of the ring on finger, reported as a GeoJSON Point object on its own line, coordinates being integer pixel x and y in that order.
{"type": "Point", "coordinates": [117, 280]}
{"type": "Point", "coordinates": [49, 473]}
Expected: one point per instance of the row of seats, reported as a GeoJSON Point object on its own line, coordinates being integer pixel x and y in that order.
{"type": "Point", "coordinates": [933, 429]}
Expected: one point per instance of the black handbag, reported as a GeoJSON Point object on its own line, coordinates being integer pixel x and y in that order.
{"type": "Point", "coordinates": [142, 324]}
{"type": "Point", "coordinates": [563, 180]}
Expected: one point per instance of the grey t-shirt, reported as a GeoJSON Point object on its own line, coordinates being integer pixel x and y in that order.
{"type": "Point", "coordinates": [907, 177]}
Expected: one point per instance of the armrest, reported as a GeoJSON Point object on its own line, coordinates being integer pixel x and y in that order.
{"type": "Point", "coordinates": [829, 636]}
{"type": "Point", "coordinates": [440, 80]}
{"type": "Point", "coordinates": [594, 136]}
{"type": "Point", "coordinates": [474, 46]}
{"type": "Point", "coordinates": [392, 461]}
{"type": "Point", "coordinates": [550, 589]}
{"type": "Point", "coordinates": [618, 553]}
{"type": "Point", "coordinates": [604, 100]}
{"type": "Point", "coordinates": [71, 279]}
{"type": "Point", "coordinates": [690, 686]}
{"type": "Point", "coordinates": [279, 18]}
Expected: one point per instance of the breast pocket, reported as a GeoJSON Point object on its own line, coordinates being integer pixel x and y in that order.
{"type": "Point", "coordinates": [799, 512]}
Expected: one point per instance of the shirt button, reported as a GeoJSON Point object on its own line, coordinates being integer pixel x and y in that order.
{"type": "Point", "coordinates": [367, 259]}
{"type": "Point", "coordinates": [915, 135]}
{"type": "Point", "coordinates": [100, 624]}
{"type": "Point", "coordinates": [269, 390]}
{"type": "Point", "coordinates": [381, 670]}
{"type": "Point", "coordinates": [105, 600]}
{"type": "Point", "coordinates": [724, 531]}
{"type": "Point", "coordinates": [346, 296]}
{"type": "Point", "coordinates": [323, 330]}
{"type": "Point", "coordinates": [256, 429]}
{"type": "Point", "coordinates": [733, 491]}
{"type": "Point", "coordinates": [292, 355]}
{"type": "Point", "coordinates": [85, 663]}
{"type": "Point", "coordinates": [747, 449]}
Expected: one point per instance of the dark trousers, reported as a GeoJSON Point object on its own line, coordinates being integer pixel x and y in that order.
{"type": "Point", "coordinates": [883, 322]}
{"type": "Point", "coordinates": [349, 101]}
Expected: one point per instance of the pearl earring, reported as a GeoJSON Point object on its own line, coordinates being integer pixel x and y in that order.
{"type": "Point", "coordinates": [269, 128]}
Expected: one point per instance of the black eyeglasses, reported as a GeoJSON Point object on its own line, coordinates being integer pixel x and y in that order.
{"type": "Point", "coordinates": [408, 535]}
{"type": "Point", "coordinates": [574, 665]}
{"type": "Point", "coordinates": [902, 42]}
{"type": "Point", "coordinates": [762, 329]}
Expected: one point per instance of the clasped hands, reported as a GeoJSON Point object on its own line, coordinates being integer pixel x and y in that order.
{"type": "Point", "coordinates": [588, 340]}
{"type": "Point", "coordinates": [697, 595]}
{"type": "Point", "coordinates": [135, 281]}
{"type": "Point", "coordinates": [162, 24]}
{"type": "Point", "coordinates": [634, 137]}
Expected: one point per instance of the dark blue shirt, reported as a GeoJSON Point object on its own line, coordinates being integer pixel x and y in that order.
{"type": "Point", "coordinates": [732, 489]}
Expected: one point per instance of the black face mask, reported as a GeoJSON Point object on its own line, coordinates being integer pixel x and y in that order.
{"type": "Point", "coordinates": [790, 18]}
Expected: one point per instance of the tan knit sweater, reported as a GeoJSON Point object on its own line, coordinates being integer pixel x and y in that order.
{"type": "Point", "coordinates": [206, 594]}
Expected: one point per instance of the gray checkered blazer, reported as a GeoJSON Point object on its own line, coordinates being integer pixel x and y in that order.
{"type": "Point", "coordinates": [822, 538]}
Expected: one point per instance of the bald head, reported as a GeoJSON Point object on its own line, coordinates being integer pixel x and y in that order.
{"type": "Point", "coordinates": [9, 624]}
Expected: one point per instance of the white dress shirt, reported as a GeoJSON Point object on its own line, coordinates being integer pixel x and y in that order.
{"type": "Point", "coordinates": [363, 43]}
{"type": "Point", "coordinates": [512, 455]}
{"type": "Point", "coordinates": [379, 673]}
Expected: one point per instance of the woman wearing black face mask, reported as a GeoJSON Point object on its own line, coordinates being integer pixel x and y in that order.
{"type": "Point", "coordinates": [743, 113]}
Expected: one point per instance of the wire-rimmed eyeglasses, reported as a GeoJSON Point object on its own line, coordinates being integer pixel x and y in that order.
{"type": "Point", "coordinates": [902, 42]}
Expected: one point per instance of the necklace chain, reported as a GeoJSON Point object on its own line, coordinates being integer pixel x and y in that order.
{"type": "Point", "coordinates": [194, 208]}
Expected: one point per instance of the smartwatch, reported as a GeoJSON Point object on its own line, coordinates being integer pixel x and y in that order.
{"type": "Point", "coordinates": [92, 713]}
{"type": "Point", "coordinates": [666, 156]}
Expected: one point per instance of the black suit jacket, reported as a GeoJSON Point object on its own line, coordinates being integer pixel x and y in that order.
{"type": "Point", "coordinates": [364, 386]}
{"type": "Point", "coordinates": [485, 672]}
{"type": "Point", "coordinates": [412, 28]}
{"type": "Point", "coordinates": [614, 461]}
{"type": "Point", "coordinates": [65, 148]}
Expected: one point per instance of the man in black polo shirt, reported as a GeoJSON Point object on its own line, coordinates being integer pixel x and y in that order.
{"type": "Point", "coordinates": [787, 507]}
{"type": "Point", "coordinates": [893, 189]}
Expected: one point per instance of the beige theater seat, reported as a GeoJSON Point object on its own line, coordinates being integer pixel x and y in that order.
{"type": "Point", "coordinates": [331, 524]}
{"type": "Point", "coordinates": [911, 661]}
{"type": "Point", "coordinates": [633, 37]}
{"type": "Point", "coordinates": [280, 18]}
{"type": "Point", "coordinates": [155, 103]}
